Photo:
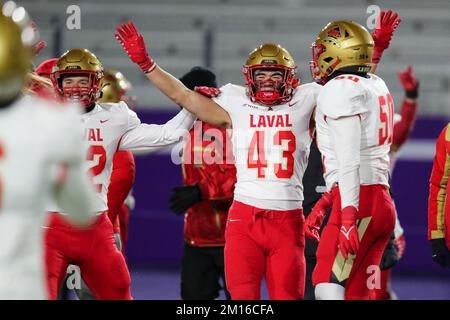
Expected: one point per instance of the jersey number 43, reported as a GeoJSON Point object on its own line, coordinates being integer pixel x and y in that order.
{"type": "Point", "coordinates": [257, 159]}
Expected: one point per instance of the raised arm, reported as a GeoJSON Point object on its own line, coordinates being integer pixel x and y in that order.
{"type": "Point", "coordinates": [387, 22]}
{"type": "Point", "coordinates": [205, 109]}
{"type": "Point", "coordinates": [408, 110]}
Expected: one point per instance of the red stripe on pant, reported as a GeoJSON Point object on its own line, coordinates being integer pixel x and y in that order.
{"type": "Point", "coordinates": [259, 241]}
{"type": "Point", "coordinates": [102, 266]}
{"type": "Point", "coordinates": [374, 202]}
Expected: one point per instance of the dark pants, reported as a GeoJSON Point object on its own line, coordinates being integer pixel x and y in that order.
{"type": "Point", "coordinates": [310, 257]}
{"type": "Point", "coordinates": [201, 271]}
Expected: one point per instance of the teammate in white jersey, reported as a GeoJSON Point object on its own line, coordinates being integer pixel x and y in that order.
{"type": "Point", "coordinates": [41, 157]}
{"type": "Point", "coordinates": [107, 127]}
{"type": "Point", "coordinates": [270, 119]}
{"type": "Point", "coordinates": [354, 122]}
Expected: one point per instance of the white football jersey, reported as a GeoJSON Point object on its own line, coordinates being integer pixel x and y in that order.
{"type": "Point", "coordinates": [113, 126]}
{"type": "Point", "coordinates": [41, 157]}
{"type": "Point", "coordinates": [270, 146]}
{"type": "Point", "coordinates": [350, 95]}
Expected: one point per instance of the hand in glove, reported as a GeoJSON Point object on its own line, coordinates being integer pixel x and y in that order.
{"type": "Point", "coordinates": [134, 45]}
{"type": "Point", "coordinates": [440, 252]}
{"type": "Point", "coordinates": [314, 221]}
{"type": "Point", "coordinates": [390, 255]}
{"type": "Point", "coordinates": [184, 197]}
{"type": "Point", "coordinates": [348, 235]}
{"type": "Point", "coordinates": [409, 82]}
{"type": "Point", "coordinates": [209, 92]}
{"type": "Point", "coordinates": [384, 30]}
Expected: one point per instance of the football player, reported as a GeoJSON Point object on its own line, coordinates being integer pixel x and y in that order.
{"type": "Point", "coordinates": [108, 127]}
{"type": "Point", "coordinates": [270, 119]}
{"type": "Point", "coordinates": [354, 123]}
{"type": "Point", "coordinates": [41, 157]}
{"type": "Point", "coordinates": [403, 124]}
{"type": "Point", "coordinates": [114, 89]}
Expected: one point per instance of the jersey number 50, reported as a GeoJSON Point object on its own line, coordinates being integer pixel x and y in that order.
{"type": "Point", "coordinates": [386, 131]}
{"type": "Point", "coordinates": [257, 159]}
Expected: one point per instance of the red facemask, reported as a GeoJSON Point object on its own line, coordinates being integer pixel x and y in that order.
{"type": "Point", "coordinates": [85, 95]}
{"type": "Point", "coordinates": [317, 51]}
{"type": "Point", "coordinates": [282, 90]}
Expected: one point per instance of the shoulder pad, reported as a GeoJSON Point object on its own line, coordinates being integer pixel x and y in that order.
{"type": "Point", "coordinates": [343, 96]}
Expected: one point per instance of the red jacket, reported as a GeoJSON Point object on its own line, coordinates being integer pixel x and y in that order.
{"type": "Point", "coordinates": [121, 182]}
{"type": "Point", "coordinates": [205, 221]}
{"type": "Point", "coordinates": [403, 128]}
{"type": "Point", "coordinates": [438, 202]}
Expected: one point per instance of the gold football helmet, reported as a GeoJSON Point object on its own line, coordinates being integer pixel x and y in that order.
{"type": "Point", "coordinates": [270, 56]}
{"type": "Point", "coordinates": [114, 86]}
{"type": "Point", "coordinates": [75, 63]}
{"type": "Point", "coordinates": [342, 45]}
{"type": "Point", "coordinates": [16, 37]}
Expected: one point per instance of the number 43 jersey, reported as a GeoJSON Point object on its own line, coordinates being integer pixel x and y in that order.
{"type": "Point", "coordinates": [113, 126]}
{"type": "Point", "coordinates": [270, 146]}
{"type": "Point", "coordinates": [369, 98]}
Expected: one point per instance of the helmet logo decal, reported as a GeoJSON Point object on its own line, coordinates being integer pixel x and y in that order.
{"type": "Point", "coordinates": [334, 33]}
{"type": "Point", "coordinates": [269, 62]}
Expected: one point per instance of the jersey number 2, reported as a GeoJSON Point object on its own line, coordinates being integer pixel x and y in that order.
{"type": "Point", "coordinates": [259, 162]}
{"type": "Point", "coordinates": [386, 131]}
{"type": "Point", "coordinates": [97, 155]}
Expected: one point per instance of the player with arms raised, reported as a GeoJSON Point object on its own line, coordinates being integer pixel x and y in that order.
{"type": "Point", "coordinates": [354, 122]}
{"type": "Point", "coordinates": [270, 119]}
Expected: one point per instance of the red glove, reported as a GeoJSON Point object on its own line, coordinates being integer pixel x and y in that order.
{"type": "Point", "coordinates": [400, 243]}
{"type": "Point", "coordinates": [209, 92]}
{"type": "Point", "coordinates": [133, 43]}
{"type": "Point", "coordinates": [407, 79]}
{"type": "Point", "coordinates": [315, 219]}
{"type": "Point", "coordinates": [386, 24]}
{"type": "Point", "coordinates": [348, 235]}
{"type": "Point", "coordinates": [37, 47]}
